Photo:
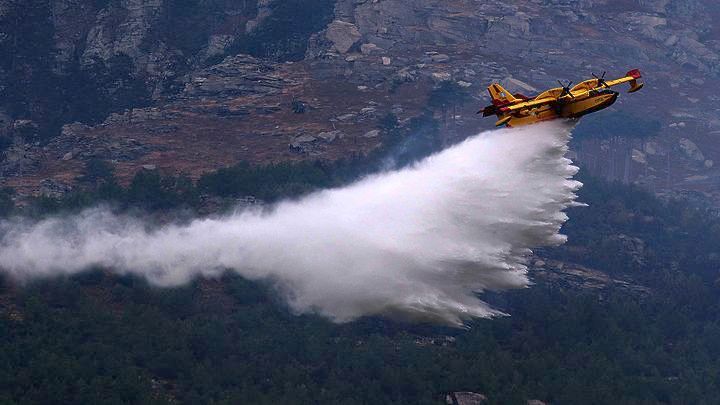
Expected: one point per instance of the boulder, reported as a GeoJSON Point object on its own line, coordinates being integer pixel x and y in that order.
{"type": "Point", "coordinates": [304, 139]}
{"type": "Point", "coordinates": [639, 157]}
{"type": "Point", "coordinates": [74, 129]}
{"type": "Point", "coordinates": [346, 117]}
{"type": "Point", "coordinates": [691, 150]}
{"type": "Point", "coordinates": [217, 44]}
{"type": "Point", "coordinates": [330, 136]}
{"type": "Point", "coordinates": [368, 111]}
{"type": "Point", "coordinates": [440, 77]}
{"type": "Point", "coordinates": [651, 148]}
{"type": "Point", "coordinates": [465, 398]}
{"type": "Point", "coordinates": [343, 35]}
{"type": "Point", "coordinates": [372, 134]}
{"type": "Point", "coordinates": [370, 48]}
{"type": "Point", "coordinates": [440, 58]}
{"type": "Point", "coordinates": [633, 247]}
{"type": "Point", "coordinates": [406, 75]}
{"type": "Point", "coordinates": [304, 144]}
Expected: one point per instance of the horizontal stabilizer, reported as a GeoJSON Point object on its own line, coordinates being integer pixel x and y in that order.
{"type": "Point", "coordinates": [503, 121]}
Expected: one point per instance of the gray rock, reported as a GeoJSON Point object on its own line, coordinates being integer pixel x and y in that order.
{"type": "Point", "coordinates": [304, 144]}
{"type": "Point", "coordinates": [440, 58]}
{"type": "Point", "coordinates": [264, 11]}
{"type": "Point", "coordinates": [439, 77]}
{"type": "Point", "coordinates": [465, 398]}
{"type": "Point", "coordinates": [370, 49]}
{"type": "Point", "coordinates": [639, 157]}
{"type": "Point", "coordinates": [238, 75]}
{"type": "Point", "coordinates": [217, 44]}
{"type": "Point", "coordinates": [368, 111]}
{"type": "Point", "coordinates": [346, 117]}
{"type": "Point", "coordinates": [633, 247]}
{"type": "Point", "coordinates": [691, 150]}
{"type": "Point", "coordinates": [343, 35]}
{"type": "Point", "coordinates": [372, 134]}
{"type": "Point", "coordinates": [651, 148]}
{"type": "Point", "coordinates": [72, 130]}
{"type": "Point", "coordinates": [331, 136]}
{"type": "Point", "coordinates": [406, 75]}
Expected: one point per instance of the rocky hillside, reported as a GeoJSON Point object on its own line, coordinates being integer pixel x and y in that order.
{"type": "Point", "coordinates": [187, 89]}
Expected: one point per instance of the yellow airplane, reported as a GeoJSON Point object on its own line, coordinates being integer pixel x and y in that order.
{"type": "Point", "coordinates": [561, 102]}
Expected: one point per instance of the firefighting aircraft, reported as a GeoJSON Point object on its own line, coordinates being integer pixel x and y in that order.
{"type": "Point", "coordinates": [561, 102]}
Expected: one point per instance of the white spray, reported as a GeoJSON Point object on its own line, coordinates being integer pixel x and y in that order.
{"type": "Point", "coordinates": [417, 243]}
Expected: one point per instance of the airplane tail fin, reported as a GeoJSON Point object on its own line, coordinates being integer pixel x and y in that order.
{"type": "Point", "coordinates": [499, 95]}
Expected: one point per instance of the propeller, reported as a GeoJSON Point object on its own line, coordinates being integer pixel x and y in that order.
{"type": "Point", "coordinates": [566, 89]}
{"type": "Point", "coordinates": [601, 79]}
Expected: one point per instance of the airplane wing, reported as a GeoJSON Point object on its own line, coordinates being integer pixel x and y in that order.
{"type": "Point", "coordinates": [630, 77]}
{"type": "Point", "coordinates": [528, 104]}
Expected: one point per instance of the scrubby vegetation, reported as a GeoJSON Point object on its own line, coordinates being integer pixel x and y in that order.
{"type": "Point", "coordinates": [100, 338]}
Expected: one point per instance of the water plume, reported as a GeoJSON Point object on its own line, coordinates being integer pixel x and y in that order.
{"type": "Point", "coordinates": [416, 243]}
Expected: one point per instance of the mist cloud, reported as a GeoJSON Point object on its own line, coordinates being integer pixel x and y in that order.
{"type": "Point", "coordinates": [416, 243]}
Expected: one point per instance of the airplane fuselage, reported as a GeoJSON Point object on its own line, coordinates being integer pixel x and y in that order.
{"type": "Point", "coordinates": [575, 108]}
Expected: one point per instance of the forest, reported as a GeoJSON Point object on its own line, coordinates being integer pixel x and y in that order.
{"type": "Point", "coordinates": [104, 338]}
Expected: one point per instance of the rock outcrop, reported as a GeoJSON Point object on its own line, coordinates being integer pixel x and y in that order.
{"type": "Point", "coordinates": [342, 35]}
{"type": "Point", "coordinates": [152, 70]}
